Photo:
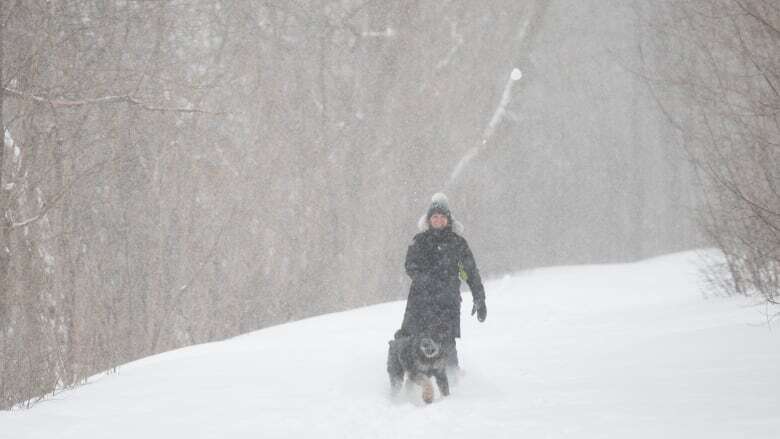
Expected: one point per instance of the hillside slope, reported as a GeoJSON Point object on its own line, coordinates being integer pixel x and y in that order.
{"type": "Point", "coordinates": [607, 351]}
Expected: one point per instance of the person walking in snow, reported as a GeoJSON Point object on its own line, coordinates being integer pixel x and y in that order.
{"type": "Point", "coordinates": [437, 260]}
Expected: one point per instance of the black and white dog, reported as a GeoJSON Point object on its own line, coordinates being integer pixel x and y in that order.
{"type": "Point", "coordinates": [418, 358]}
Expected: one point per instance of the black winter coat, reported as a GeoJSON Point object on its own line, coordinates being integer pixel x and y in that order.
{"type": "Point", "coordinates": [433, 262]}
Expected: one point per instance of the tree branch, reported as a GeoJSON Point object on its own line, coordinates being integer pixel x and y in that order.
{"type": "Point", "coordinates": [758, 18]}
{"type": "Point", "coordinates": [67, 103]}
{"type": "Point", "coordinates": [52, 202]}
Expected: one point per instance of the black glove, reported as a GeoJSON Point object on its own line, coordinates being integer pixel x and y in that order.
{"type": "Point", "coordinates": [480, 310]}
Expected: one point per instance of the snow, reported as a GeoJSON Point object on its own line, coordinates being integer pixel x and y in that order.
{"type": "Point", "coordinates": [8, 139]}
{"type": "Point", "coordinates": [609, 351]}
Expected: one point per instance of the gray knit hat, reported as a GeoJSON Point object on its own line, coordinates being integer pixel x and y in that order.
{"type": "Point", "coordinates": [439, 204]}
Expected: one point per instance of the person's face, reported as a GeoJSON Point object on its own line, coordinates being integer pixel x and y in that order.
{"type": "Point", "coordinates": [438, 221]}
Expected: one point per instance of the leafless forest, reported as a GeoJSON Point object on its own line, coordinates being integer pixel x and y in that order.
{"type": "Point", "coordinates": [177, 172]}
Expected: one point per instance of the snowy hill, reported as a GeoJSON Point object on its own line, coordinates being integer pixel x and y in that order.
{"type": "Point", "coordinates": [611, 351]}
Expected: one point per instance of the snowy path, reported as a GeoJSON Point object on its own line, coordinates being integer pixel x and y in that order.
{"type": "Point", "coordinates": [590, 352]}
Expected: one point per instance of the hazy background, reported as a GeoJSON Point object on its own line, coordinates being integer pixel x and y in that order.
{"type": "Point", "coordinates": [176, 172]}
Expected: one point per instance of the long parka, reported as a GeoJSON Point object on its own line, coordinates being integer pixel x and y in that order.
{"type": "Point", "coordinates": [434, 261]}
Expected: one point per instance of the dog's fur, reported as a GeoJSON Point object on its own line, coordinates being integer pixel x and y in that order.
{"type": "Point", "coordinates": [418, 358]}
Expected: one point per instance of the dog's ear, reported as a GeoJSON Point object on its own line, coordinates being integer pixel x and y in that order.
{"type": "Point", "coordinates": [439, 331]}
{"type": "Point", "coordinates": [439, 336]}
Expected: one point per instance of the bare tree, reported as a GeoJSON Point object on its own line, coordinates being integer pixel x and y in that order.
{"type": "Point", "coordinates": [714, 67]}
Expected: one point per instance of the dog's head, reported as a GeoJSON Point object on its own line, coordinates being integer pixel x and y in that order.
{"type": "Point", "coordinates": [431, 343]}
{"type": "Point", "coordinates": [429, 347]}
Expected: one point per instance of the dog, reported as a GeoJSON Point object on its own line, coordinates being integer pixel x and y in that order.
{"type": "Point", "coordinates": [418, 358]}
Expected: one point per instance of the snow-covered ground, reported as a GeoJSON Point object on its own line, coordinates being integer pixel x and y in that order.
{"type": "Point", "coordinates": [611, 351]}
